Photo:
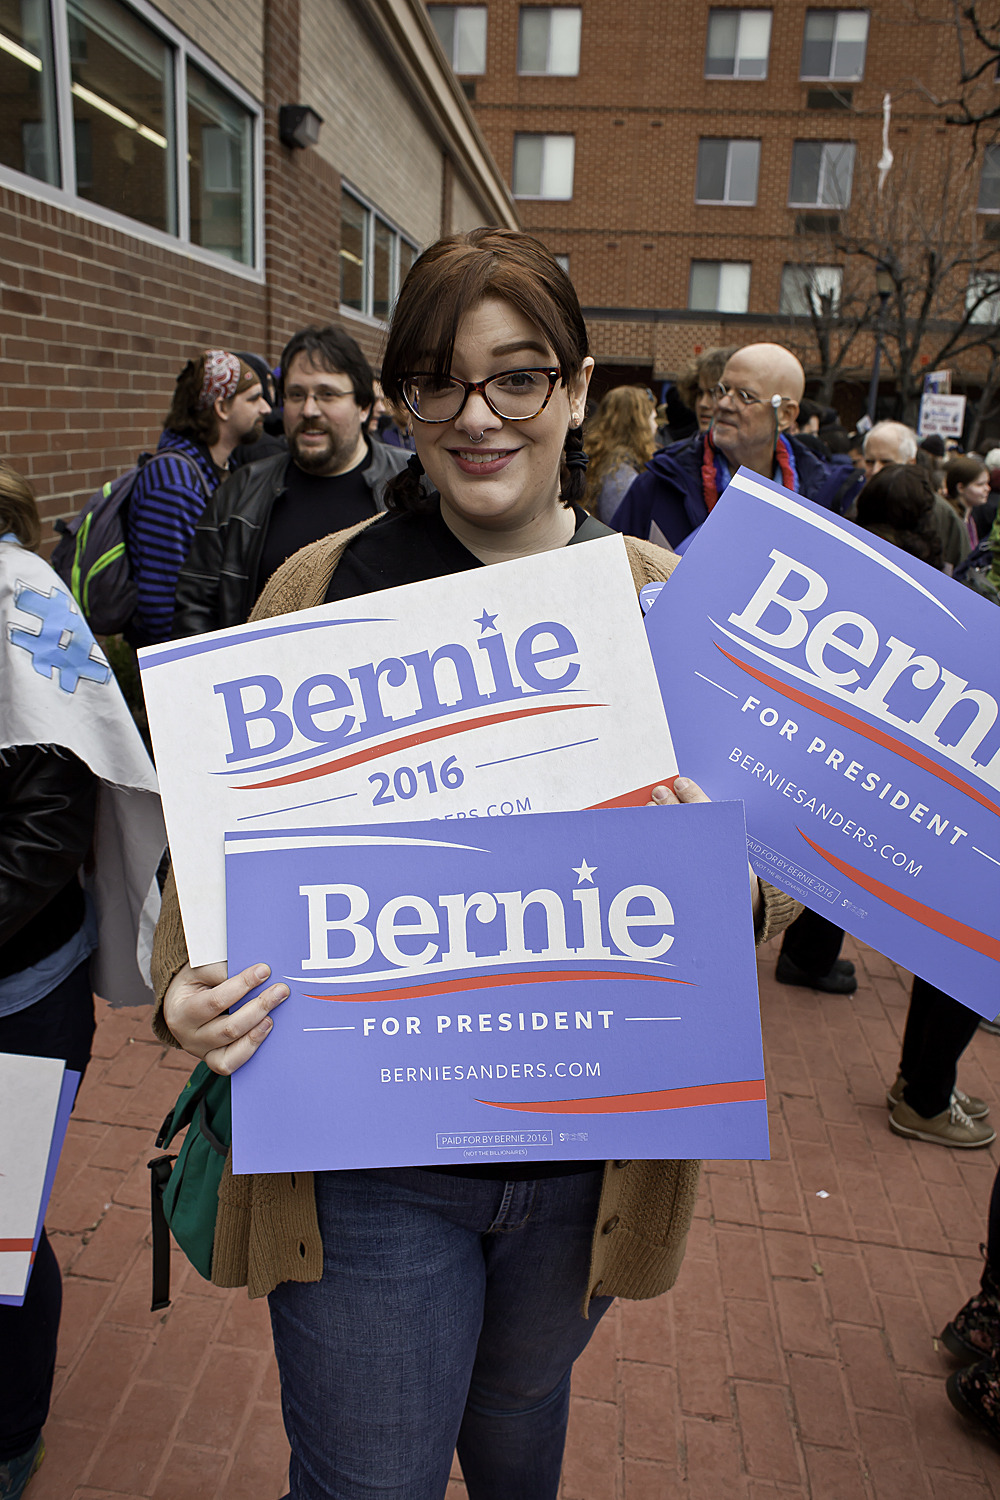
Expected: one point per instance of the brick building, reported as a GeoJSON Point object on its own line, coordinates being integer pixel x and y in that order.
{"type": "Point", "coordinates": [686, 159]}
{"type": "Point", "coordinates": [149, 208]}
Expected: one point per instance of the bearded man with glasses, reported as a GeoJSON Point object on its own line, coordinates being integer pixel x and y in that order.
{"type": "Point", "coordinates": [332, 476]}
{"type": "Point", "coordinates": [756, 402]}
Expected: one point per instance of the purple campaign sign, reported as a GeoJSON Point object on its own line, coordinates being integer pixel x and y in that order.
{"type": "Point", "coordinates": [568, 986]}
{"type": "Point", "coordinates": [849, 694]}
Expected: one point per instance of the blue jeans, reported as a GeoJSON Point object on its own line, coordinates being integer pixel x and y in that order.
{"type": "Point", "coordinates": [448, 1314]}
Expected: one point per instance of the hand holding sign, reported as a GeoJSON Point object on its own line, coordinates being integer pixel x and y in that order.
{"type": "Point", "coordinates": [196, 1009]}
{"type": "Point", "coordinates": [677, 790]}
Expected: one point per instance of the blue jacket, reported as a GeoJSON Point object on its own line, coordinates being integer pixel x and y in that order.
{"type": "Point", "coordinates": [665, 504]}
{"type": "Point", "coordinates": [164, 507]}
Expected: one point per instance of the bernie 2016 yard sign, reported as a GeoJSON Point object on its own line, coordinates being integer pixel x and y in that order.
{"type": "Point", "coordinates": [849, 695]}
{"type": "Point", "coordinates": [567, 986]}
{"type": "Point", "coordinates": [526, 686]}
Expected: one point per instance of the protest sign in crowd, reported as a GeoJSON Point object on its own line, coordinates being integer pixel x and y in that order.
{"type": "Point", "coordinates": [466, 868]}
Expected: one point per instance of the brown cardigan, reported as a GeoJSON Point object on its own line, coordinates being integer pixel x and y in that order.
{"type": "Point", "coordinates": [267, 1231]}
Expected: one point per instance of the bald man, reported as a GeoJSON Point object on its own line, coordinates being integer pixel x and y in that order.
{"type": "Point", "coordinates": [895, 443]}
{"type": "Point", "coordinates": [757, 401]}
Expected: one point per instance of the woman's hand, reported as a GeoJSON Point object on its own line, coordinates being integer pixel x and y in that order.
{"type": "Point", "coordinates": [680, 789]}
{"type": "Point", "coordinates": [195, 1010]}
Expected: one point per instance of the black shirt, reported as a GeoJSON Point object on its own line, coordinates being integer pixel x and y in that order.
{"type": "Point", "coordinates": [403, 547]}
{"type": "Point", "coordinates": [310, 507]}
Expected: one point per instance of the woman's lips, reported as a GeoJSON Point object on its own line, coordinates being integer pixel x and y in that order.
{"type": "Point", "coordinates": [482, 461]}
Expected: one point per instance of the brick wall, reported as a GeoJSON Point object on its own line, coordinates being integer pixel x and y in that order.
{"type": "Point", "coordinates": [94, 326]}
{"type": "Point", "coordinates": [373, 132]}
{"type": "Point", "coordinates": [229, 29]}
{"type": "Point", "coordinates": [638, 109]}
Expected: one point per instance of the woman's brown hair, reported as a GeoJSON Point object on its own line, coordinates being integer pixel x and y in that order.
{"type": "Point", "coordinates": [962, 470]}
{"type": "Point", "coordinates": [897, 504]}
{"type": "Point", "coordinates": [448, 281]}
{"type": "Point", "coordinates": [18, 510]}
{"type": "Point", "coordinates": [618, 433]}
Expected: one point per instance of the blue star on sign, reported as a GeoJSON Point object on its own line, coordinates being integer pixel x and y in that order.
{"type": "Point", "coordinates": [64, 641]}
{"type": "Point", "coordinates": [486, 622]}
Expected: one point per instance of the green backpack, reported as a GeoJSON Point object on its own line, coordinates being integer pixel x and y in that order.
{"type": "Point", "coordinates": [184, 1189]}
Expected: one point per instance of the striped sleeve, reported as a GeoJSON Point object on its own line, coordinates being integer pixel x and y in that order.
{"type": "Point", "coordinates": [163, 512]}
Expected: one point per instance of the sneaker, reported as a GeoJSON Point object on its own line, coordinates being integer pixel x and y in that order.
{"type": "Point", "coordinates": [974, 1331]}
{"type": "Point", "coordinates": [976, 1109]}
{"type": "Point", "coordinates": [952, 1127]}
{"type": "Point", "coordinates": [975, 1392]}
{"type": "Point", "coordinates": [837, 982]}
{"type": "Point", "coordinates": [16, 1473]}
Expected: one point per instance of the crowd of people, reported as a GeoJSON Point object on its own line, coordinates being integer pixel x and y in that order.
{"type": "Point", "coordinates": [414, 1309]}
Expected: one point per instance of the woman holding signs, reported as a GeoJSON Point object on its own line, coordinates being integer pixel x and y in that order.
{"type": "Point", "coordinates": [413, 1309]}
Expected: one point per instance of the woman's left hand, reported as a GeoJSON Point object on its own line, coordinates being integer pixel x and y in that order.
{"type": "Point", "coordinates": [681, 789]}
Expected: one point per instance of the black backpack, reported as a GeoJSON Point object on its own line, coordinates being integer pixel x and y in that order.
{"type": "Point", "coordinates": [91, 556]}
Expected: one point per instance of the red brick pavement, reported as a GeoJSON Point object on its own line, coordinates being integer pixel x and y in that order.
{"type": "Point", "coordinates": [797, 1356]}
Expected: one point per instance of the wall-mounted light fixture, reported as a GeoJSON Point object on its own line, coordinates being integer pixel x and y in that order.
{"type": "Point", "coordinates": [298, 125]}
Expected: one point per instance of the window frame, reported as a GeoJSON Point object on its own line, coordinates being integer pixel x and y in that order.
{"type": "Point", "coordinates": [728, 202]}
{"type": "Point", "coordinates": [541, 197]}
{"type": "Point", "coordinates": [736, 77]}
{"type": "Point", "coordinates": [992, 150]}
{"type": "Point", "coordinates": [66, 196]}
{"type": "Point", "coordinates": [463, 73]}
{"type": "Point", "coordinates": [372, 212]}
{"type": "Point", "coordinates": [818, 202]}
{"type": "Point", "coordinates": [838, 11]}
{"type": "Point", "coordinates": [532, 73]}
{"type": "Point", "coordinates": [725, 312]}
{"type": "Point", "coordinates": [804, 269]}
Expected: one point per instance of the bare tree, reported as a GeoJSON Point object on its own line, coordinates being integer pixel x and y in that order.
{"type": "Point", "coordinates": [840, 309]}
{"type": "Point", "coordinates": [921, 231]}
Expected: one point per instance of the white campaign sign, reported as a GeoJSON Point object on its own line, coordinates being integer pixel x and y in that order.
{"type": "Point", "coordinates": [29, 1098]}
{"type": "Point", "coordinates": [942, 414]}
{"type": "Point", "coordinates": [526, 686]}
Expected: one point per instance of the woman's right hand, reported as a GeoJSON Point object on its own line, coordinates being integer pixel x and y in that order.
{"type": "Point", "coordinates": [196, 1005]}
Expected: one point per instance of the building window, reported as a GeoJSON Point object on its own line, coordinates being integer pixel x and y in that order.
{"type": "Point", "coordinates": [374, 258]}
{"type": "Point", "coordinates": [543, 166]}
{"type": "Point", "coordinates": [220, 166]}
{"type": "Point", "coordinates": [989, 182]}
{"type": "Point", "coordinates": [982, 297]}
{"type": "Point", "coordinates": [124, 146]}
{"type": "Point", "coordinates": [833, 45]}
{"type": "Point", "coordinates": [122, 87]}
{"type": "Point", "coordinates": [810, 289]}
{"type": "Point", "coordinates": [822, 172]}
{"type": "Point", "coordinates": [727, 171]}
{"type": "Point", "coordinates": [738, 43]}
{"type": "Point", "coordinates": [719, 286]}
{"type": "Point", "coordinates": [29, 138]}
{"type": "Point", "coordinates": [461, 31]}
{"type": "Point", "coordinates": [548, 40]}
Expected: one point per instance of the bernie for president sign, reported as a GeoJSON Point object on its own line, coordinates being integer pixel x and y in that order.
{"type": "Point", "coordinates": [526, 686]}
{"type": "Point", "coordinates": [565, 987]}
{"type": "Point", "coordinates": [848, 693]}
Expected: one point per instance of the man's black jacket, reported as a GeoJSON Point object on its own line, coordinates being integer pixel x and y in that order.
{"type": "Point", "coordinates": [218, 584]}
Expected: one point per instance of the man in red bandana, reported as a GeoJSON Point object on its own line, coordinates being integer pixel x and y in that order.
{"type": "Point", "coordinates": [757, 401]}
{"type": "Point", "coordinates": [218, 403]}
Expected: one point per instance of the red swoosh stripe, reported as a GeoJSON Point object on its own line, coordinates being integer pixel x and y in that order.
{"type": "Point", "coordinates": [11, 1245]}
{"type": "Point", "coordinates": [969, 937]}
{"type": "Point", "coordinates": [373, 752]}
{"type": "Point", "coordinates": [746, 1091]}
{"type": "Point", "coordinates": [868, 730]}
{"type": "Point", "coordinates": [497, 982]}
{"type": "Point", "coordinates": [638, 798]}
